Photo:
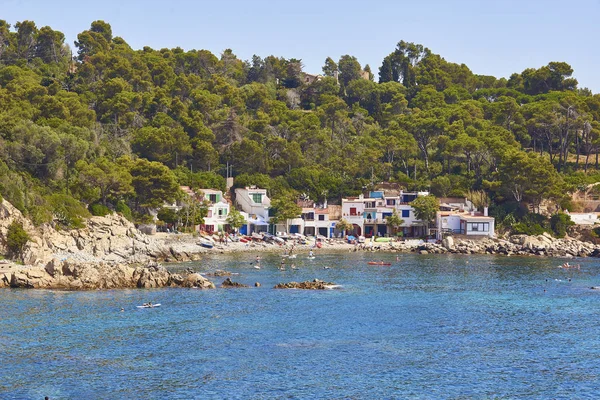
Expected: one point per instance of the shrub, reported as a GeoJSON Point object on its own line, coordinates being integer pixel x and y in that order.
{"type": "Point", "coordinates": [67, 211]}
{"type": "Point", "coordinates": [16, 238]}
{"type": "Point", "coordinates": [522, 228]}
{"type": "Point", "coordinates": [559, 223]}
{"type": "Point", "coordinates": [99, 210]}
{"type": "Point", "coordinates": [124, 210]}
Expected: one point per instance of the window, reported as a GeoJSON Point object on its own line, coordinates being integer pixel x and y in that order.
{"type": "Point", "coordinates": [405, 213]}
{"type": "Point", "coordinates": [212, 198]}
{"type": "Point", "coordinates": [479, 226]}
{"type": "Point", "coordinates": [390, 202]}
{"type": "Point", "coordinates": [352, 210]}
{"type": "Point", "coordinates": [257, 197]}
{"type": "Point", "coordinates": [222, 212]}
{"type": "Point", "coordinates": [321, 218]}
{"type": "Point", "coordinates": [209, 215]}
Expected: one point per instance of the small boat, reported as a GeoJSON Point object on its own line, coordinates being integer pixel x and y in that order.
{"type": "Point", "coordinates": [243, 240]}
{"type": "Point", "coordinates": [292, 256]}
{"type": "Point", "coordinates": [149, 305]}
{"type": "Point", "coordinates": [206, 243]}
{"type": "Point", "coordinates": [257, 267]}
{"type": "Point", "coordinates": [318, 245]}
{"type": "Point", "coordinates": [379, 263]}
{"type": "Point", "coordinates": [311, 257]}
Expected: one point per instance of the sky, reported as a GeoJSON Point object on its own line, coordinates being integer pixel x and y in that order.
{"type": "Point", "coordinates": [491, 37]}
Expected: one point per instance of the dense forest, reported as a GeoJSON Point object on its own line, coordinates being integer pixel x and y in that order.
{"type": "Point", "coordinates": [102, 126]}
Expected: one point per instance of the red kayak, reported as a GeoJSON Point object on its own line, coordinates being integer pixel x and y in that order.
{"type": "Point", "coordinates": [379, 263]}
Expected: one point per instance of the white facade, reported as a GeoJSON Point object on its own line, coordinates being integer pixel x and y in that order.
{"type": "Point", "coordinates": [368, 214]}
{"type": "Point", "coordinates": [256, 204]}
{"type": "Point", "coordinates": [467, 224]}
{"type": "Point", "coordinates": [218, 210]}
{"type": "Point", "coordinates": [312, 222]}
{"type": "Point", "coordinates": [584, 218]}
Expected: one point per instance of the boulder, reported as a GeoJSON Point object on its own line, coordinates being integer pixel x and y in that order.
{"type": "Point", "coordinates": [448, 242]}
{"type": "Point", "coordinates": [151, 277]}
{"type": "Point", "coordinates": [228, 283]}
{"type": "Point", "coordinates": [197, 281]}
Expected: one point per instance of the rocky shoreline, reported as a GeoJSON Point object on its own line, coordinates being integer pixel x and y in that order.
{"type": "Point", "coordinates": [111, 253]}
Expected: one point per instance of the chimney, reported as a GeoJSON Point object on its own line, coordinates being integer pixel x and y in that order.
{"type": "Point", "coordinates": [485, 211]}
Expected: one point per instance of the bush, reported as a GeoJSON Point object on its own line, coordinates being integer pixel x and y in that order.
{"type": "Point", "coordinates": [522, 228]}
{"type": "Point", "coordinates": [124, 210]}
{"type": "Point", "coordinates": [16, 238]}
{"type": "Point", "coordinates": [67, 211]}
{"type": "Point", "coordinates": [99, 210]}
{"type": "Point", "coordinates": [559, 223]}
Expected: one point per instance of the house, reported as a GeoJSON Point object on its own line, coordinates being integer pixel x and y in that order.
{"type": "Point", "coordinates": [254, 202]}
{"type": "Point", "coordinates": [218, 210]}
{"type": "Point", "coordinates": [469, 224]}
{"type": "Point", "coordinates": [314, 220]}
{"type": "Point", "coordinates": [368, 215]}
{"type": "Point", "coordinates": [588, 219]}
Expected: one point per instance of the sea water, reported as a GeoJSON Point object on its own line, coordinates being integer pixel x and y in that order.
{"type": "Point", "coordinates": [426, 327]}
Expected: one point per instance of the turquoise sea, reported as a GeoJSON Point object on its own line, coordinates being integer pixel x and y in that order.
{"type": "Point", "coordinates": [427, 327]}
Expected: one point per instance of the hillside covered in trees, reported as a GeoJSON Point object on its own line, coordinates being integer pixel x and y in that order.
{"type": "Point", "coordinates": [103, 125]}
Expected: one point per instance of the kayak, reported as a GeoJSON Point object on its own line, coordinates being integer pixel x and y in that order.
{"type": "Point", "coordinates": [379, 263]}
{"type": "Point", "coordinates": [149, 306]}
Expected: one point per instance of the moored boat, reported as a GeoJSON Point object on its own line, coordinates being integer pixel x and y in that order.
{"type": "Point", "coordinates": [206, 243]}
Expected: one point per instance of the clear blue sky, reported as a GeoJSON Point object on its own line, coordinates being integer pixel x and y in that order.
{"type": "Point", "coordinates": [490, 37]}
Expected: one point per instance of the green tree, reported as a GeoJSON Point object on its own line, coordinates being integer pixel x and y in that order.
{"type": "Point", "coordinates": [425, 208]}
{"type": "Point", "coordinates": [559, 223]}
{"type": "Point", "coordinates": [441, 186]}
{"type": "Point", "coordinates": [112, 180]}
{"type": "Point", "coordinates": [235, 219]}
{"type": "Point", "coordinates": [330, 68]}
{"type": "Point", "coordinates": [285, 208]}
{"type": "Point", "coordinates": [394, 222]}
{"type": "Point", "coordinates": [344, 226]}
{"type": "Point", "coordinates": [16, 238]}
{"type": "Point", "coordinates": [153, 183]}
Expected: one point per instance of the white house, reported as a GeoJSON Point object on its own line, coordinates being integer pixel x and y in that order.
{"type": "Point", "coordinates": [368, 214]}
{"type": "Point", "coordinates": [255, 202]}
{"type": "Point", "coordinates": [314, 220]}
{"type": "Point", "coordinates": [470, 224]}
{"type": "Point", "coordinates": [218, 210]}
{"type": "Point", "coordinates": [584, 218]}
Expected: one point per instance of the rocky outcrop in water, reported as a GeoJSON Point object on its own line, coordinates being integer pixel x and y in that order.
{"type": "Point", "coordinates": [196, 280]}
{"type": "Point", "coordinates": [69, 275]}
{"type": "Point", "coordinates": [315, 284]}
{"type": "Point", "coordinates": [228, 283]}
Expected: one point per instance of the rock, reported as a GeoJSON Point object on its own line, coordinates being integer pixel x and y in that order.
{"type": "Point", "coordinates": [228, 283]}
{"type": "Point", "coordinates": [448, 242]}
{"type": "Point", "coordinates": [219, 272]}
{"type": "Point", "coordinates": [197, 281]}
{"type": "Point", "coordinates": [315, 284]}
{"type": "Point", "coordinates": [423, 252]}
{"type": "Point", "coordinates": [176, 280]}
{"type": "Point", "coordinates": [152, 277]}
